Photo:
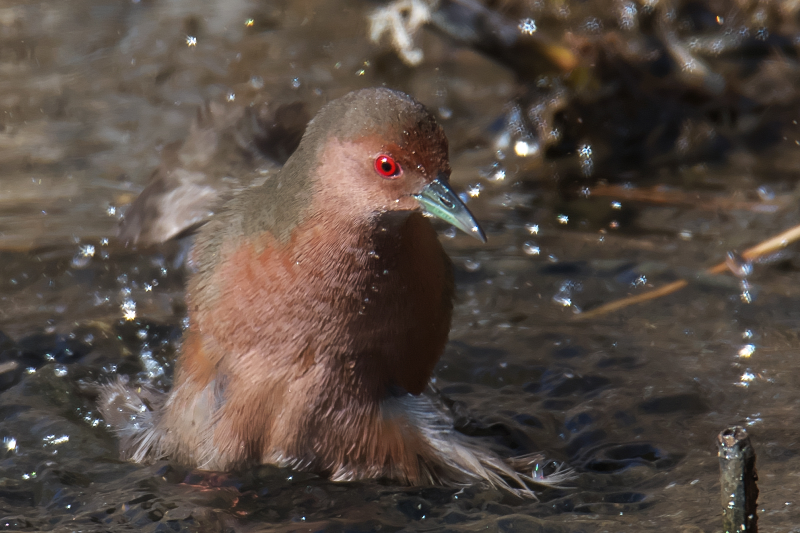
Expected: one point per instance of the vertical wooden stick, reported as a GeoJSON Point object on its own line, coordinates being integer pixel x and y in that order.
{"type": "Point", "coordinates": [737, 465]}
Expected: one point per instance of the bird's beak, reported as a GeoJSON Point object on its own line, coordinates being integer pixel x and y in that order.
{"type": "Point", "coordinates": [438, 199]}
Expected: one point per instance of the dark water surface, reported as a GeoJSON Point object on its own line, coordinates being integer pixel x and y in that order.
{"type": "Point", "coordinates": [642, 170]}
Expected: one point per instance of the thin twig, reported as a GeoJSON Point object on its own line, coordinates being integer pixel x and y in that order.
{"type": "Point", "coordinates": [769, 246]}
{"type": "Point", "coordinates": [662, 196]}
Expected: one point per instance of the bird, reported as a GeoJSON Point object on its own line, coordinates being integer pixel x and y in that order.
{"type": "Point", "coordinates": [320, 303]}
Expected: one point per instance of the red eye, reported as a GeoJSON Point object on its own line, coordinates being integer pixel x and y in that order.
{"type": "Point", "coordinates": [387, 167]}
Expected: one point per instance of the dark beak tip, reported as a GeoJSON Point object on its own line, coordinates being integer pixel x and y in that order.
{"type": "Point", "coordinates": [439, 200]}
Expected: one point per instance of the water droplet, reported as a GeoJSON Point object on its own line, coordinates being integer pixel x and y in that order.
{"type": "Point", "coordinates": [295, 83]}
{"type": "Point", "coordinates": [530, 248]}
{"type": "Point", "coordinates": [746, 297]}
{"type": "Point", "coordinates": [747, 350]}
{"type": "Point", "coordinates": [10, 444]}
{"type": "Point", "coordinates": [111, 210]}
{"type": "Point", "coordinates": [450, 232]}
{"type": "Point", "coordinates": [152, 367]}
{"type": "Point", "coordinates": [563, 219]}
{"type": "Point", "coordinates": [628, 16]}
{"type": "Point", "coordinates": [83, 256]}
{"type": "Point", "coordinates": [128, 310]}
{"type": "Point", "coordinates": [593, 25]}
{"type": "Point", "coordinates": [754, 419]}
{"type": "Point", "coordinates": [474, 190]}
{"type": "Point", "coordinates": [60, 371]}
{"type": "Point", "coordinates": [738, 266]}
{"type": "Point", "coordinates": [562, 300]}
{"type": "Point", "coordinates": [746, 378]}
{"type": "Point", "coordinates": [527, 26]}
{"type": "Point", "coordinates": [616, 205]}
{"type": "Point", "coordinates": [471, 265]}
{"type": "Point", "coordinates": [231, 97]}
{"type": "Point", "coordinates": [257, 82]}
{"type": "Point", "coordinates": [564, 295]}
{"type": "Point", "coordinates": [533, 229]}
{"type": "Point", "coordinates": [765, 193]}
{"type": "Point", "coordinates": [526, 147]}
{"type": "Point", "coordinates": [191, 41]}
{"type": "Point", "coordinates": [585, 159]}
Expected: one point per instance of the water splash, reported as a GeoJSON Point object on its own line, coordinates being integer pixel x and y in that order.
{"type": "Point", "coordinates": [474, 190]}
{"type": "Point", "coordinates": [128, 307]}
{"type": "Point", "coordinates": [527, 26]}
{"type": "Point", "coordinates": [585, 158]}
{"type": "Point", "coordinates": [628, 16]}
{"type": "Point", "coordinates": [530, 248]}
{"type": "Point", "coordinates": [526, 147]}
{"type": "Point", "coordinates": [563, 296]}
{"type": "Point", "coordinates": [747, 351]}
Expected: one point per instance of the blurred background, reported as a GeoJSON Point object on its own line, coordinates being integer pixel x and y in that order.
{"type": "Point", "coordinates": [608, 147]}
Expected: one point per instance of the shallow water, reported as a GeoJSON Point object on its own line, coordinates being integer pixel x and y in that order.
{"type": "Point", "coordinates": [92, 92]}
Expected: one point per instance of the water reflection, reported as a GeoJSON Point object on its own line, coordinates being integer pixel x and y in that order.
{"type": "Point", "coordinates": [639, 167]}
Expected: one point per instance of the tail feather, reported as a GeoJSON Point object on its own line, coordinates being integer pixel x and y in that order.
{"type": "Point", "coordinates": [133, 413]}
{"type": "Point", "coordinates": [466, 460]}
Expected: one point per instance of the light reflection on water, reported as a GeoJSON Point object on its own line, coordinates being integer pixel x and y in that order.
{"type": "Point", "coordinates": [633, 400]}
